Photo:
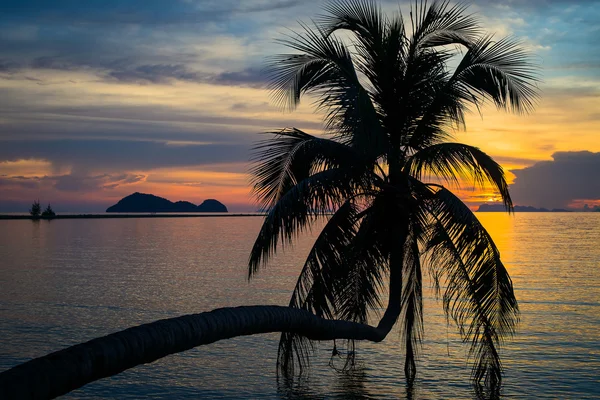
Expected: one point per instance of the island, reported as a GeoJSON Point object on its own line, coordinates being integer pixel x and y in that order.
{"type": "Point", "coordinates": [149, 203]}
{"type": "Point", "coordinates": [500, 207]}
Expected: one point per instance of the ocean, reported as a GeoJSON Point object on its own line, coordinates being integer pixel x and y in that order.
{"type": "Point", "coordinates": [63, 282]}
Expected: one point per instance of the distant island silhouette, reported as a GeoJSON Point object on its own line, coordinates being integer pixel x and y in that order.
{"type": "Point", "coordinates": [500, 207]}
{"type": "Point", "coordinates": [149, 203]}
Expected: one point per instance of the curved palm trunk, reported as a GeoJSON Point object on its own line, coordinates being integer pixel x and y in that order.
{"type": "Point", "coordinates": [65, 370]}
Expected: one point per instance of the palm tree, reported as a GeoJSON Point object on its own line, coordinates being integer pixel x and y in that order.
{"type": "Point", "coordinates": [391, 103]}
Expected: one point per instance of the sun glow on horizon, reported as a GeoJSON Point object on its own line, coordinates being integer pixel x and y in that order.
{"type": "Point", "coordinates": [79, 122]}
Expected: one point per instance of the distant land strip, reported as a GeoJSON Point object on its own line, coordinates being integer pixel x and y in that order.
{"type": "Point", "coordinates": [108, 216]}
{"type": "Point", "coordinates": [501, 208]}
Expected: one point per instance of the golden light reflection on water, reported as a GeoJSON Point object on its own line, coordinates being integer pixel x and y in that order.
{"type": "Point", "coordinates": [554, 259]}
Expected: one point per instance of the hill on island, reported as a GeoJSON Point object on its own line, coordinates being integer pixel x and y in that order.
{"type": "Point", "coordinates": [148, 203]}
{"type": "Point", "coordinates": [500, 207]}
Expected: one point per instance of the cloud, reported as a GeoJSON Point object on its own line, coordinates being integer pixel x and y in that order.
{"type": "Point", "coordinates": [537, 4]}
{"type": "Point", "coordinates": [155, 12]}
{"type": "Point", "coordinates": [21, 182]}
{"type": "Point", "coordinates": [256, 107]}
{"type": "Point", "coordinates": [553, 184]}
{"type": "Point", "coordinates": [82, 183]}
{"type": "Point", "coordinates": [186, 113]}
{"type": "Point", "coordinates": [112, 156]}
{"type": "Point", "coordinates": [125, 42]}
{"type": "Point", "coordinates": [520, 161]}
{"type": "Point", "coordinates": [155, 73]}
{"type": "Point", "coordinates": [101, 87]}
{"type": "Point", "coordinates": [71, 182]}
{"type": "Point", "coordinates": [165, 73]}
{"type": "Point", "coordinates": [178, 41]}
{"type": "Point", "coordinates": [128, 70]}
{"type": "Point", "coordinates": [8, 66]}
{"type": "Point", "coordinates": [52, 62]}
{"type": "Point", "coordinates": [250, 77]}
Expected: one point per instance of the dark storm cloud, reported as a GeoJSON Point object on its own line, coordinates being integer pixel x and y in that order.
{"type": "Point", "coordinates": [553, 184]}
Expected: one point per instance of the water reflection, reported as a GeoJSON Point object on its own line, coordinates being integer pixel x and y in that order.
{"type": "Point", "coordinates": [357, 384]}
{"type": "Point", "coordinates": [72, 280]}
{"type": "Point", "coordinates": [349, 385]}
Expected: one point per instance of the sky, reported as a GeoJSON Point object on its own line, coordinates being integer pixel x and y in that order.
{"type": "Point", "coordinates": [100, 99]}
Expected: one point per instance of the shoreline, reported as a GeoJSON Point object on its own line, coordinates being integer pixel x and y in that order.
{"type": "Point", "coordinates": [108, 216]}
{"type": "Point", "coordinates": [7, 217]}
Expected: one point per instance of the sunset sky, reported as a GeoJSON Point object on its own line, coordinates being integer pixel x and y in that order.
{"type": "Point", "coordinates": [100, 99]}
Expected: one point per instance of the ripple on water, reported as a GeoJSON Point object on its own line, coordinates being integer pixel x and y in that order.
{"type": "Point", "coordinates": [68, 281]}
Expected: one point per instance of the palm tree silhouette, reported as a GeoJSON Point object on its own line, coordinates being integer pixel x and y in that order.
{"type": "Point", "coordinates": [391, 103]}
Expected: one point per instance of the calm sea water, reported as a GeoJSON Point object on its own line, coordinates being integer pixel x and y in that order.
{"type": "Point", "coordinates": [67, 281]}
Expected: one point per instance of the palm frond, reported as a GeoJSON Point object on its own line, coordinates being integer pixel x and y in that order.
{"type": "Point", "coordinates": [442, 24]}
{"type": "Point", "coordinates": [310, 198]}
{"type": "Point", "coordinates": [411, 89]}
{"type": "Point", "coordinates": [317, 286]}
{"type": "Point", "coordinates": [445, 111]}
{"type": "Point", "coordinates": [364, 18]}
{"type": "Point", "coordinates": [342, 277]}
{"type": "Point", "coordinates": [426, 72]}
{"type": "Point", "coordinates": [479, 294]}
{"type": "Point", "coordinates": [366, 261]}
{"type": "Point", "coordinates": [380, 43]}
{"type": "Point", "coordinates": [325, 67]}
{"type": "Point", "coordinates": [451, 161]}
{"type": "Point", "coordinates": [391, 102]}
{"type": "Point", "coordinates": [291, 155]}
{"type": "Point", "coordinates": [412, 301]}
{"type": "Point", "coordinates": [366, 268]}
{"type": "Point", "coordinates": [501, 71]}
